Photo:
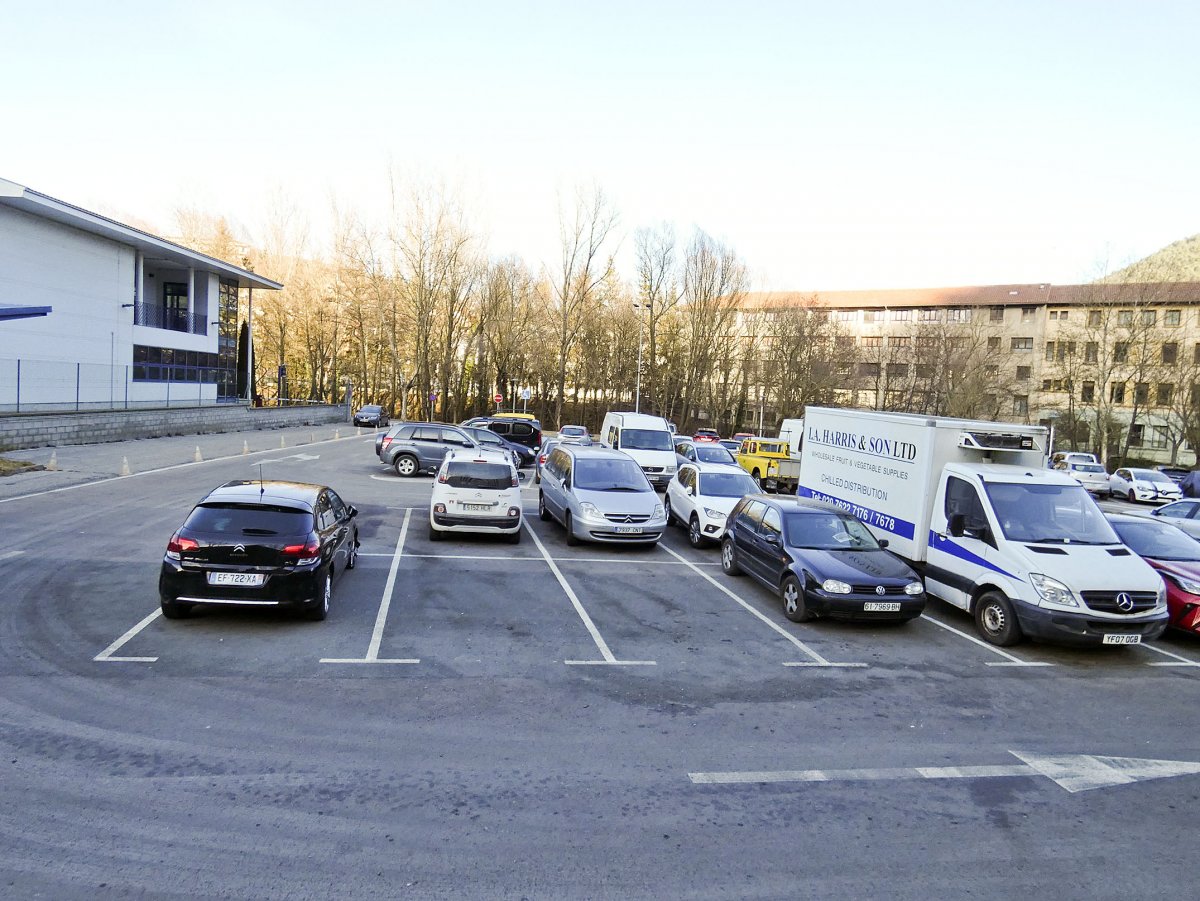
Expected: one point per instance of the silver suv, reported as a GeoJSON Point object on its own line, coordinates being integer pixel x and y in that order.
{"type": "Point", "coordinates": [414, 447]}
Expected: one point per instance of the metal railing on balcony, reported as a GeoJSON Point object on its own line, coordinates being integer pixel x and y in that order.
{"type": "Point", "coordinates": [158, 316]}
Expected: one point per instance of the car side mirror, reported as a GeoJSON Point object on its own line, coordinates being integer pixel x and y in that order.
{"type": "Point", "coordinates": [352, 511]}
{"type": "Point", "coordinates": [566, 483]}
{"type": "Point", "coordinates": [772, 539]}
{"type": "Point", "coordinates": [883, 542]}
{"type": "Point", "coordinates": [954, 525]}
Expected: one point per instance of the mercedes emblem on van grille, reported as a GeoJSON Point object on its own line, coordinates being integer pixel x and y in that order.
{"type": "Point", "coordinates": [1124, 602]}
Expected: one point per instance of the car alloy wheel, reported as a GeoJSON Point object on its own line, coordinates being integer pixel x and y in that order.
{"type": "Point", "coordinates": [352, 560]}
{"type": "Point", "coordinates": [695, 536]}
{"type": "Point", "coordinates": [729, 562]}
{"type": "Point", "coordinates": [667, 509]}
{"type": "Point", "coordinates": [406, 466]}
{"type": "Point", "coordinates": [794, 607]}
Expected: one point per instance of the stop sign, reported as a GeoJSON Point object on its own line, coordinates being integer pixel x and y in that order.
{"type": "Point", "coordinates": [498, 397]}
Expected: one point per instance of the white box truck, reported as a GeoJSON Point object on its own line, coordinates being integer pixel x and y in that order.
{"type": "Point", "coordinates": [993, 531]}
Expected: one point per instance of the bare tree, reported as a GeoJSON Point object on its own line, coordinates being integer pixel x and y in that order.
{"type": "Point", "coordinates": [658, 292]}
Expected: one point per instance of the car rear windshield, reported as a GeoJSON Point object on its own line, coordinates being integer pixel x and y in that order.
{"type": "Point", "coordinates": [646, 439]}
{"type": "Point", "coordinates": [828, 532]}
{"type": "Point", "coordinates": [573, 431]}
{"type": "Point", "coordinates": [713, 453]}
{"type": "Point", "coordinates": [471, 474]}
{"type": "Point", "coordinates": [249, 519]}
{"type": "Point", "coordinates": [1087, 467]}
{"type": "Point", "coordinates": [610, 475]}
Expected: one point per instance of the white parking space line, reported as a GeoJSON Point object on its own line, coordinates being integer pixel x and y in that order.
{"type": "Point", "coordinates": [381, 618]}
{"type": "Point", "coordinates": [1177, 661]}
{"type": "Point", "coordinates": [817, 659]}
{"type": "Point", "coordinates": [1009, 660]}
{"type": "Point", "coordinates": [609, 658]}
{"type": "Point", "coordinates": [106, 656]}
{"type": "Point", "coordinates": [8, 555]}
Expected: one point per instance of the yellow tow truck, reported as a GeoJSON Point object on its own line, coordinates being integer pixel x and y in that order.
{"type": "Point", "coordinates": [770, 463]}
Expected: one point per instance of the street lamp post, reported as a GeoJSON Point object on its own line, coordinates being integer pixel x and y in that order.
{"type": "Point", "coordinates": [637, 401]}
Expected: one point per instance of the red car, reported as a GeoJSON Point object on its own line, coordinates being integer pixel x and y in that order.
{"type": "Point", "coordinates": [706, 435]}
{"type": "Point", "coordinates": [1175, 554]}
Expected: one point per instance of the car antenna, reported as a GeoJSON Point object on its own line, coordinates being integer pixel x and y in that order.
{"type": "Point", "coordinates": [261, 488]}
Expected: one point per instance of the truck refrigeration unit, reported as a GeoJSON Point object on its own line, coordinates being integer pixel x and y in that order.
{"type": "Point", "coordinates": [973, 507]}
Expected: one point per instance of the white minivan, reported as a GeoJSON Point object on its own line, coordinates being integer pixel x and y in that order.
{"type": "Point", "coordinates": [648, 439]}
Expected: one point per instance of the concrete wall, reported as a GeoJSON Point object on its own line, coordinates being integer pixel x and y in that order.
{"type": "Point", "coordinates": [41, 430]}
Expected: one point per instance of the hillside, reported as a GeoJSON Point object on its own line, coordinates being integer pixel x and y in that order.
{"type": "Point", "coordinates": [1178, 262]}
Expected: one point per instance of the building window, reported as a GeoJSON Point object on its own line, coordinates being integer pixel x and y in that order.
{"type": "Point", "coordinates": [898, 370]}
{"type": "Point", "coordinates": [868, 370]}
{"type": "Point", "coordinates": [927, 342]}
{"type": "Point", "coordinates": [993, 345]}
{"type": "Point", "coordinates": [928, 315]}
{"type": "Point", "coordinates": [1116, 392]}
{"type": "Point", "coordinates": [167, 364]}
{"type": "Point", "coordinates": [1196, 355]}
{"type": "Point", "coordinates": [844, 342]}
{"type": "Point", "coordinates": [846, 315]}
{"type": "Point", "coordinates": [991, 370]}
{"type": "Point", "coordinates": [1149, 317]}
{"type": "Point", "coordinates": [1027, 313]}
{"type": "Point", "coordinates": [958, 314]}
{"type": "Point", "coordinates": [1020, 404]}
{"type": "Point", "coordinates": [1121, 352]}
{"type": "Point", "coordinates": [897, 341]}
{"type": "Point", "coordinates": [1166, 393]}
{"type": "Point", "coordinates": [1170, 353]}
{"type": "Point", "coordinates": [1091, 352]}
{"type": "Point", "coordinates": [1141, 393]}
{"type": "Point", "coordinates": [872, 341]}
{"type": "Point", "coordinates": [1045, 384]}
{"type": "Point", "coordinates": [1094, 317]}
{"type": "Point", "coordinates": [1136, 432]}
{"type": "Point", "coordinates": [901, 315]}
{"type": "Point", "coordinates": [1172, 317]}
{"type": "Point", "coordinates": [872, 315]}
{"type": "Point", "coordinates": [1088, 393]}
{"type": "Point", "coordinates": [997, 314]}
{"type": "Point", "coordinates": [1024, 372]}
{"type": "Point", "coordinates": [1125, 317]}
{"type": "Point", "coordinates": [1021, 344]}
{"type": "Point", "coordinates": [925, 370]}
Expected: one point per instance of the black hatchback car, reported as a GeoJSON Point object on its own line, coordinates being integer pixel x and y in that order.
{"type": "Point", "coordinates": [517, 429]}
{"type": "Point", "coordinates": [822, 561]}
{"type": "Point", "coordinates": [260, 544]}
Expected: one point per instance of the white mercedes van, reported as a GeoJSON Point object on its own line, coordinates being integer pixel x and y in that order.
{"type": "Point", "coordinates": [648, 439]}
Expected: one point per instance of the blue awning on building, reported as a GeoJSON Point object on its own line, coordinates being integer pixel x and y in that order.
{"type": "Point", "coordinates": [9, 311]}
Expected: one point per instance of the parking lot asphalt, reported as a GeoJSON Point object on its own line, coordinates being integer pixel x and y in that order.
{"type": "Point", "coordinates": [479, 719]}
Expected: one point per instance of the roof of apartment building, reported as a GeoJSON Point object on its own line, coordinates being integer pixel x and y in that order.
{"type": "Point", "coordinates": [151, 246]}
{"type": "Point", "coordinates": [1044, 294]}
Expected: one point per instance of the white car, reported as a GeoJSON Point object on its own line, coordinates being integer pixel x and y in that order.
{"type": "Point", "coordinates": [701, 496]}
{"type": "Point", "coordinates": [1092, 476]}
{"type": "Point", "coordinates": [476, 493]}
{"type": "Point", "coordinates": [1184, 514]}
{"type": "Point", "coordinates": [1143, 485]}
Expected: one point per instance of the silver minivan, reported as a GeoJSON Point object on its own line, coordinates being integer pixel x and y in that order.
{"type": "Point", "coordinates": [600, 494]}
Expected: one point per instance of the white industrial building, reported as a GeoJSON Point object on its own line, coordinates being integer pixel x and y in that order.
{"type": "Point", "coordinates": [97, 314]}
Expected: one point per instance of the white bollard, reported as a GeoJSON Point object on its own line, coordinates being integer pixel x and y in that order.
{"type": "Point", "coordinates": [197, 458]}
{"type": "Point", "coordinates": [245, 448]}
{"type": "Point", "coordinates": [52, 466]}
{"type": "Point", "coordinates": [124, 466]}
{"type": "Point", "coordinates": [337, 434]}
{"type": "Point", "coordinates": [282, 443]}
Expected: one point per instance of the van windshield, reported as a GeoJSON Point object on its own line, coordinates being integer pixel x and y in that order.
{"type": "Point", "coordinates": [646, 439]}
{"type": "Point", "coordinates": [1049, 514]}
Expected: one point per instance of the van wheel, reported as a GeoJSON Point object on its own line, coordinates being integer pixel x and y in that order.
{"type": "Point", "coordinates": [729, 562]}
{"type": "Point", "coordinates": [571, 539]}
{"type": "Point", "coordinates": [794, 607]}
{"type": "Point", "coordinates": [543, 513]}
{"type": "Point", "coordinates": [406, 465]}
{"type": "Point", "coordinates": [996, 621]}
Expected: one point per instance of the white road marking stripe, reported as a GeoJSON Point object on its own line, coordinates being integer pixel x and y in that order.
{"type": "Point", "coordinates": [107, 654]}
{"type": "Point", "coordinates": [1012, 661]}
{"type": "Point", "coordinates": [818, 660]}
{"type": "Point", "coordinates": [149, 472]}
{"type": "Point", "coordinates": [608, 655]}
{"type": "Point", "coordinates": [8, 555]}
{"type": "Point", "coordinates": [614, 560]}
{"type": "Point", "coordinates": [869, 774]}
{"type": "Point", "coordinates": [1182, 661]}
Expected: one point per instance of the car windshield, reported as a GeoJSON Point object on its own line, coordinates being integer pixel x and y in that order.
{"type": "Point", "coordinates": [610, 475]}
{"type": "Point", "coordinates": [713, 453]}
{"type": "Point", "coordinates": [1158, 540]}
{"type": "Point", "coordinates": [572, 431]}
{"type": "Point", "coordinates": [726, 484]}
{"type": "Point", "coordinates": [646, 439]}
{"type": "Point", "coordinates": [486, 436]}
{"type": "Point", "coordinates": [473, 474]}
{"type": "Point", "coordinates": [1049, 514]}
{"type": "Point", "coordinates": [1149, 475]}
{"type": "Point", "coordinates": [248, 519]}
{"type": "Point", "coordinates": [1087, 467]}
{"type": "Point", "coordinates": [828, 532]}
{"type": "Point", "coordinates": [370, 409]}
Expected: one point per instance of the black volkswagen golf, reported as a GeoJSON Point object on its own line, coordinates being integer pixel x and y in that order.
{"type": "Point", "coordinates": [822, 561]}
{"type": "Point", "coordinates": [260, 544]}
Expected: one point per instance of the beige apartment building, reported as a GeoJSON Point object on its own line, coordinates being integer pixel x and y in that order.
{"type": "Point", "coordinates": [1104, 364]}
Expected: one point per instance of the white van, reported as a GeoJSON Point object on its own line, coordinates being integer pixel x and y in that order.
{"type": "Point", "coordinates": [648, 439]}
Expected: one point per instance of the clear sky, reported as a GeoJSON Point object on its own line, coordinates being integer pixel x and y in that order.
{"type": "Point", "coordinates": [835, 145]}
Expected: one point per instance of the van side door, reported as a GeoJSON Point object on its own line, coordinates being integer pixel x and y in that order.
{"type": "Point", "coordinates": [961, 541]}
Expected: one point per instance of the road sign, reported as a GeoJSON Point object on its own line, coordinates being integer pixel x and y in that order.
{"type": "Point", "coordinates": [526, 394]}
{"type": "Point", "coordinates": [499, 398]}
{"type": "Point", "coordinates": [1074, 772]}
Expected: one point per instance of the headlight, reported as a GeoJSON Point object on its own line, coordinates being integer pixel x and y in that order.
{"type": "Point", "coordinates": [1185, 584]}
{"type": "Point", "coordinates": [591, 511]}
{"type": "Point", "coordinates": [713, 514]}
{"type": "Point", "coordinates": [659, 512]}
{"type": "Point", "coordinates": [834, 586]}
{"type": "Point", "coordinates": [669, 470]}
{"type": "Point", "coordinates": [1053, 591]}
{"type": "Point", "coordinates": [914, 588]}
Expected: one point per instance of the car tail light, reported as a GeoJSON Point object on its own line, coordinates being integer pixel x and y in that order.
{"type": "Point", "coordinates": [386, 442]}
{"type": "Point", "coordinates": [542, 458]}
{"type": "Point", "coordinates": [309, 552]}
{"type": "Point", "coordinates": [442, 477]}
{"type": "Point", "coordinates": [178, 545]}
{"type": "Point", "coordinates": [516, 482]}
{"type": "Point", "coordinates": [539, 438]}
